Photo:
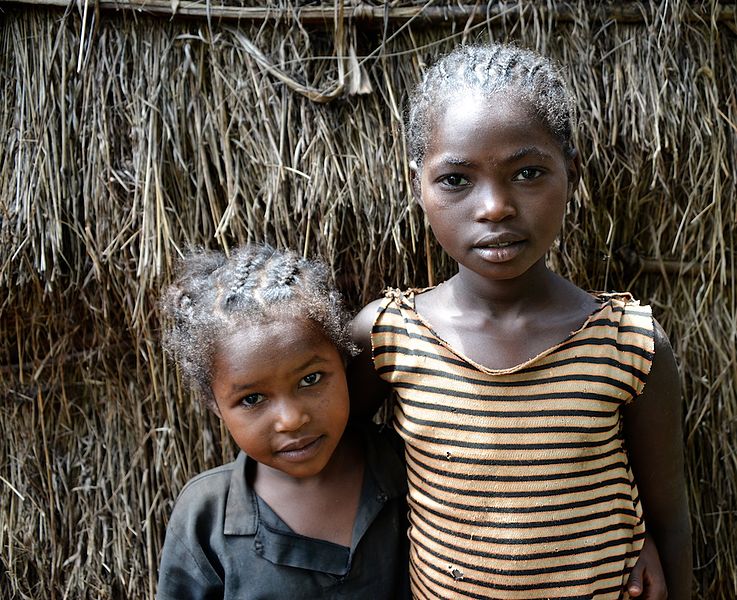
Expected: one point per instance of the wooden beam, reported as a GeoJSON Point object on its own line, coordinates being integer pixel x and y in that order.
{"type": "Point", "coordinates": [623, 13]}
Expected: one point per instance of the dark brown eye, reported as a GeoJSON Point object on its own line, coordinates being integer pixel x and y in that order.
{"type": "Point", "coordinates": [252, 400]}
{"type": "Point", "coordinates": [527, 174]}
{"type": "Point", "coordinates": [310, 379]}
{"type": "Point", "coordinates": [454, 180]}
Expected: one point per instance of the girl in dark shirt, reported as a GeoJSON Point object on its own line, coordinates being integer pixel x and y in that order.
{"type": "Point", "coordinates": [312, 507]}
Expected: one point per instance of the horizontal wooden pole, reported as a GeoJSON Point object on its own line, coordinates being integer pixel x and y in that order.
{"type": "Point", "coordinates": [634, 262]}
{"type": "Point", "coordinates": [624, 13]}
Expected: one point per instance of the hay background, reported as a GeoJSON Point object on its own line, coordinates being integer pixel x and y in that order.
{"type": "Point", "coordinates": [127, 137]}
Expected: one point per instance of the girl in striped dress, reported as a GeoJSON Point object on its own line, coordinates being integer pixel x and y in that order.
{"type": "Point", "coordinates": [542, 423]}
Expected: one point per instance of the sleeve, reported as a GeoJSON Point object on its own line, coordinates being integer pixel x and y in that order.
{"type": "Point", "coordinates": [185, 573]}
{"type": "Point", "coordinates": [636, 340]}
{"type": "Point", "coordinates": [190, 567]}
{"type": "Point", "coordinates": [387, 334]}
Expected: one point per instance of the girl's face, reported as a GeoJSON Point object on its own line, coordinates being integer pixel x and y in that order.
{"type": "Point", "coordinates": [494, 185]}
{"type": "Point", "coordinates": [281, 390]}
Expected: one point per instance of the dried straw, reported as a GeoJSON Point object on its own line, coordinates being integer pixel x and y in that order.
{"type": "Point", "coordinates": [127, 138]}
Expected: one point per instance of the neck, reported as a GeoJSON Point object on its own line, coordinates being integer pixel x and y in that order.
{"type": "Point", "coordinates": [538, 285]}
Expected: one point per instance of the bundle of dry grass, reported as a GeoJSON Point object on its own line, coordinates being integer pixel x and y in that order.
{"type": "Point", "coordinates": [127, 138]}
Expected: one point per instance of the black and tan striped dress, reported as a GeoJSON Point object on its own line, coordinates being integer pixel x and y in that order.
{"type": "Point", "coordinates": [519, 481]}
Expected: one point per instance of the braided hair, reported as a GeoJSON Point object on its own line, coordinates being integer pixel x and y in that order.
{"type": "Point", "coordinates": [488, 70]}
{"type": "Point", "coordinates": [213, 294]}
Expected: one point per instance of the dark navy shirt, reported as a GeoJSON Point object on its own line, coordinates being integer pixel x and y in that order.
{"type": "Point", "coordinates": [223, 541]}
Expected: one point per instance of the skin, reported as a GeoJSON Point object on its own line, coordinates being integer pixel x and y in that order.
{"type": "Point", "coordinates": [653, 431]}
{"type": "Point", "coordinates": [280, 388]}
{"type": "Point", "coordinates": [494, 185]}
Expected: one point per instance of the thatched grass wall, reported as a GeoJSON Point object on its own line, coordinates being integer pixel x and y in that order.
{"type": "Point", "coordinates": [125, 137]}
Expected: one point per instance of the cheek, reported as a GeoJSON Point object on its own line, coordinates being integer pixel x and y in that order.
{"type": "Point", "coordinates": [555, 208]}
{"type": "Point", "coordinates": [552, 203]}
{"type": "Point", "coordinates": [560, 210]}
{"type": "Point", "coordinates": [433, 202]}
{"type": "Point", "coordinates": [437, 212]}
{"type": "Point", "coordinates": [338, 406]}
{"type": "Point", "coordinates": [243, 427]}
{"type": "Point", "coordinates": [444, 226]}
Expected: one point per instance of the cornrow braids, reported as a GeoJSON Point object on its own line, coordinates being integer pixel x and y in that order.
{"type": "Point", "coordinates": [213, 294]}
{"type": "Point", "coordinates": [488, 70]}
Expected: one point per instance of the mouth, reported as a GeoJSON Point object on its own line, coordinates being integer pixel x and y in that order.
{"type": "Point", "coordinates": [302, 448]}
{"type": "Point", "coordinates": [499, 248]}
{"type": "Point", "coordinates": [498, 245]}
{"type": "Point", "coordinates": [498, 240]}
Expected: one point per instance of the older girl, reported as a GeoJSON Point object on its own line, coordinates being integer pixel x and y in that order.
{"type": "Point", "coordinates": [542, 422]}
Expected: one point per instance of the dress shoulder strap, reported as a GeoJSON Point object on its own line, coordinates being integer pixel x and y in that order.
{"type": "Point", "coordinates": [406, 296]}
{"type": "Point", "coordinates": [635, 335]}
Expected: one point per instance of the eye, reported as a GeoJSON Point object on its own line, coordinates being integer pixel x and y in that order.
{"type": "Point", "coordinates": [310, 379]}
{"type": "Point", "coordinates": [252, 400]}
{"type": "Point", "coordinates": [527, 174]}
{"type": "Point", "coordinates": [454, 180]}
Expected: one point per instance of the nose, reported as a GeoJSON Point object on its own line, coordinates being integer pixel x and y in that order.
{"type": "Point", "coordinates": [494, 204]}
{"type": "Point", "coordinates": [289, 415]}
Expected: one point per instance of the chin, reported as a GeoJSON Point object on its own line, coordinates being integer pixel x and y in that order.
{"type": "Point", "coordinates": [308, 472]}
{"type": "Point", "coordinates": [498, 272]}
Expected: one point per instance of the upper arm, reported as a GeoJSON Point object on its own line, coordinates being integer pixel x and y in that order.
{"type": "Point", "coordinates": [367, 389]}
{"type": "Point", "coordinates": [654, 437]}
{"type": "Point", "coordinates": [653, 427]}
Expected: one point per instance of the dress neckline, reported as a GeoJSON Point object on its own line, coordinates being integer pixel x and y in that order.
{"type": "Point", "coordinates": [603, 299]}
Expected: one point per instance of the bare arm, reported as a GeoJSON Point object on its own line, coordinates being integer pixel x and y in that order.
{"type": "Point", "coordinates": [654, 437]}
{"type": "Point", "coordinates": [367, 389]}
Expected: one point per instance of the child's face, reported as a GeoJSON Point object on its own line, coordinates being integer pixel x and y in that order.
{"type": "Point", "coordinates": [494, 185]}
{"type": "Point", "coordinates": [280, 388]}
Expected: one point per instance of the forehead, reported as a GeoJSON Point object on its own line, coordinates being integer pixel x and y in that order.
{"type": "Point", "coordinates": [269, 345]}
{"type": "Point", "coordinates": [497, 124]}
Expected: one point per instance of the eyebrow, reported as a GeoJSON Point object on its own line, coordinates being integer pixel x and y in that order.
{"type": "Point", "coordinates": [310, 362]}
{"type": "Point", "coordinates": [455, 161]}
{"type": "Point", "coordinates": [524, 152]}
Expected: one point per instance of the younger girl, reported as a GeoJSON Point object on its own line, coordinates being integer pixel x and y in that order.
{"type": "Point", "coordinates": [311, 508]}
{"type": "Point", "coordinates": [529, 407]}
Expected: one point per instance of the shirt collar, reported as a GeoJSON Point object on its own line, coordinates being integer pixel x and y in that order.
{"type": "Point", "coordinates": [382, 460]}
{"type": "Point", "coordinates": [241, 514]}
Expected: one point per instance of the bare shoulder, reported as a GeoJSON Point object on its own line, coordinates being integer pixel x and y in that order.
{"type": "Point", "coordinates": [663, 382]}
{"type": "Point", "coordinates": [367, 389]}
{"type": "Point", "coordinates": [662, 343]}
{"type": "Point", "coordinates": [362, 324]}
{"type": "Point", "coordinates": [656, 412]}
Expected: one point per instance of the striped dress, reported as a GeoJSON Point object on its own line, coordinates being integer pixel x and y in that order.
{"type": "Point", "coordinates": [520, 487]}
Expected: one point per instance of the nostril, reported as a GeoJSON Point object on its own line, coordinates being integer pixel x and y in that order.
{"type": "Point", "coordinates": [291, 418]}
{"type": "Point", "coordinates": [495, 209]}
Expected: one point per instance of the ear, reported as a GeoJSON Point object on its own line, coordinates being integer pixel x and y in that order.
{"type": "Point", "coordinates": [416, 182]}
{"type": "Point", "coordinates": [574, 172]}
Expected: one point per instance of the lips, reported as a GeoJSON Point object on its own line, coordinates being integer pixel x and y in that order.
{"type": "Point", "coordinates": [299, 444]}
{"type": "Point", "coordinates": [498, 240]}
{"type": "Point", "coordinates": [499, 247]}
